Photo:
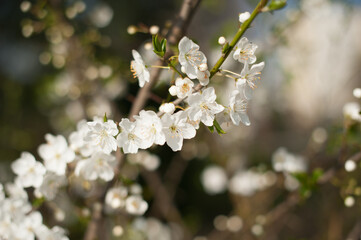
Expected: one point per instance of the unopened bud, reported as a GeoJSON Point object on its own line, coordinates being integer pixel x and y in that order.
{"type": "Point", "coordinates": [244, 17]}
{"type": "Point", "coordinates": [203, 67]}
{"type": "Point", "coordinates": [221, 40]}
{"type": "Point", "coordinates": [173, 90]}
{"type": "Point", "coordinates": [167, 108]}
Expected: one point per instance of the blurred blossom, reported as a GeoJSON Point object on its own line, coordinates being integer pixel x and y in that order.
{"type": "Point", "coordinates": [350, 165]}
{"type": "Point", "coordinates": [349, 201]}
{"type": "Point", "coordinates": [101, 15]}
{"type": "Point", "coordinates": [319, 135]}
{"type": "Point", "coordinates": [352, 111]}
{"type": "Point", "coordinates": [247, 183]}
{"type": "Point", "coordinates": [214, 180]}
{"type": "Point", "coordinates": [234, 223]}
{"type": "Point", "coordinates": [149, 161]}
{"type": "Point", "coordinates": [283, 161]}
{"type": "Point", "coordinates": [25, 6]}
{"type": "Point", "coordinates": [325, 62]}
{"type": "Point", "coordinates": [220, 222]}
{"type": "Point", "coordinates": [153, 228]}
{"type": "Point", "coordinates": [357, 92]}
{"type": "Point", "coordinates": [118, 231]}
{"type": "Point", "coordinates": [257, 229]}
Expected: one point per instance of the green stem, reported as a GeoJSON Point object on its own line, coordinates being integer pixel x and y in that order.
{"type": "Point", "coordinates": [238, 36]}
{"type": "Point", "coordinates": [176, 70]}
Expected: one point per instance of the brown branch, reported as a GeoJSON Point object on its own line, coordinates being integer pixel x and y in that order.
{"type": "Point", "coordinates": [176, 32]}
{"type": "Point", "coordinates": [355, 232]}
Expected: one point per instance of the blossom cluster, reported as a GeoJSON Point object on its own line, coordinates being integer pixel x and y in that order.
{"type": "Point", "coordinates": [90, 150]}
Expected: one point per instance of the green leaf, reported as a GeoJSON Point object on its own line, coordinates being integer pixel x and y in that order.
{"type": "Point", "coordinates": [164, 45]}
{"type": "Point", "coordinates": [37, 202]}
{"type": "Point", "coordinates": [211, 128]}
{"type": "Point", "coordinates": [159, 47]}
{"type": "Point", "coordinates": [105, 118]}
{"type": "Point", "coordinates": [220, 131]}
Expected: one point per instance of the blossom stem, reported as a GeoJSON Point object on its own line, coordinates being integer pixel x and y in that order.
{"type": "Point", "coordinates": [154, 66]}
{"type": "Point", "coordinates": [176, 70]}
{"type": "Point", "coordinates": [238, 36]}
{"type": "Point", "coordinates": [228, 71]}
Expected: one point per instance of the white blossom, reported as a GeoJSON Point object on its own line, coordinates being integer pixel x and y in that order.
{"type": "Point", "coordinates": [139, 69]}
{"type": "Point", "coordinates": [214, 180]}
{"type": "Point", "coordinates": [29, 172]}
{"type": "Point", "coordinates": [115, 197]}
{"type": "Point", "coordinates": [244, 51]}
{"type": "Point", "coordinates": [127, 138]}
{"type": "Point", "coordinates": [136, 205]}
{"type": "Point", "coordinates": [101, 135]}
{"type": "Point", "coordinates": [149, 129]}
{"type": "Point", "coordinates": [203, 74]}
{"type": "Point", "coordinates": [147, 160]}
{"type": "Point", "coordinates": [247, 81]}
{"type": "Point", "coordinates": [352, 111]}
{"type": "Point", "coordinates": [182, 88]}
{"type": "Point", "coordinates": [76, 140]}
{"type": "Point", "coordinates": [236, 112]}
{"type": "Point", "coordinates": [56, 154]}
{"type": "Point", "coordinates": [190, 57]}
{"type": "Point", "coordinates": [97, 166]}
{"type": "Point", "coordinates": [283, 161]}
{"type": "Point", "coordinates": [203, 106]}
{"type": "Point", "coordinates": [176, 128]}
{"type": "Point", "coordinates": [244, 17]}
{"type": "Point", "coordinates": [52, 182]}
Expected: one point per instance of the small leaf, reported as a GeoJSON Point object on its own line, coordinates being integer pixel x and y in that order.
{"type": "Point", "coordinates": [164, 45]}
{"type": "Point", "coordinates": [105, 118]}
{"type": "Point", "coordinates": [211, 128]}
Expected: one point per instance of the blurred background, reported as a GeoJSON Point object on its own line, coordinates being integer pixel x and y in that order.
{"type": "Point", "coordinates": [63, 61]}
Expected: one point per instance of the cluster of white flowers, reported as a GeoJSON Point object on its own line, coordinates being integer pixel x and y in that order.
{"type": "Point", "coordinates": [17, 218]}
{"type": "Point", "coordinates": [118, 198]}
{"type": "Point", "coordinates": [91, 149]}
{"type": "Point", "coordinates": [288, 163]}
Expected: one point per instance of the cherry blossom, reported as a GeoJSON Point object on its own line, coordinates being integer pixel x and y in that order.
{"type": "Point", "coordinates": [97, 166]}
{"type": "Point", "coordinates": [127, 139]}
{"type": "Point", "coordinates": [176, 128]}
{"type": "Point", "coordinates": [244, 51]}
{"type": "Point", "coordinates": [182, 88]}
{"type": "Point", "coordinates": [203, 106]}
{"type": "Point", "coordinates": [56, 153]}
{"type": "Point", "coordinates": [190, 57]}
{"type": "Point", "coordinates": [136, 205]}
{"type": "Point", "coordinates": [30, 173]}
{"type": "Point", "coordinates": [139, 69]}
{"type": "Point", "coordinates": [101, 135]}
{"type": "Point", "coordinates": [248, 78]}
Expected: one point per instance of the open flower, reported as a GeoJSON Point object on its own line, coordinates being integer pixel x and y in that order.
{"type": "Point", "coordinates": [190, 57]}
{"type": "Point", "coordinates": [182, 88]}
{"type": "Point", "coordinates": [101, 135]}
{"type": "Point", "coordinates": [136, 205]}
{"type": "Point", "coordinates": [139, 69]}
{"type": "Point", "coordinates": [244, 51]}
{"type": "Point", "coordinates": [127, 138]}
{"type": "Point", "coordinates": [149, 129]}
{"type": "Point", "coordinates": [115, 197]}
{"type": "Point", "coordinates": [236, 112]}
{"type": "Point", "coordinates": [97, 166]}
{"type": "Point", "coordinates": [203, 106]}
{"type": "Point", "coordinates": [30, 173]}
{"type": "Point", "coordinates": [56, 154]}
{"type": "Point", "coordinates": [247, 81]}
{"type": "Point", "coordinates": [176, 128]}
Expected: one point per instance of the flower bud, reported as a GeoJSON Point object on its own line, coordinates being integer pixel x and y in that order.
{"type": "Point", "coordinates": [221, 40]}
